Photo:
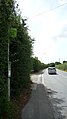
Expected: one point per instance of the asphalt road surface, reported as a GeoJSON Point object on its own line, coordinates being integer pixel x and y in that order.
{"type": "Point", "coordinates": [39, 106]}
{"type": "Point", "coordinates": [56, 86]}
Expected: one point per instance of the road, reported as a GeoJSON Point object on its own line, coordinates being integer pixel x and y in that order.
{"type": "Point", "coordinates": [56, 86]}
{"type": "Point", "coordinates": [39, 105]}
{"type": "Point", "coordinates": [44, 86]}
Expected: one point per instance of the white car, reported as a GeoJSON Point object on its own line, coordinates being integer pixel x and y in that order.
{"type": "Point", "coordinates": [51, 70]}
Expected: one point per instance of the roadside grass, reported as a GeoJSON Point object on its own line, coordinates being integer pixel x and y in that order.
{"type": "Point", "coordinates": [62, 67]}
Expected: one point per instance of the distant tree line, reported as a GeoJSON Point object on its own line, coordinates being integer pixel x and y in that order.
{"type": "Point", "coordinates": [64, 62]}
{"type": "Point", "coordinates": [37, 65]}
{"type": "Point", "coordinates": [62, 66]}
{"type": "Point", "coordinates": [52, 64]}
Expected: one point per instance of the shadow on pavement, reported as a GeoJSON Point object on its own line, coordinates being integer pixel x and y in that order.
{"type": "Point", "coordinates": [39, 105]}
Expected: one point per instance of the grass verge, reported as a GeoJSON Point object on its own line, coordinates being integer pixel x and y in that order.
{"type": "Point", "coordinates": [62, 66]}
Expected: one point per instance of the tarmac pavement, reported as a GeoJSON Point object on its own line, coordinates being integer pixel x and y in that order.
{"type": "Point", "coordinates": [39, 105]}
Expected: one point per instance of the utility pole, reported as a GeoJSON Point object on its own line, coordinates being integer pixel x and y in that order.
{"type": "Point", "coordinates": [59, 59]}
{"type": "Point", "coordinates": [12, 34]}
{"type": "Point", "coordinates": [9, 73]}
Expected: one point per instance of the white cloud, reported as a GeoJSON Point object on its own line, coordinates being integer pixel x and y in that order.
{"type": "Point", "coordinates": [61, 30]}
{"type": "Point", "coordinates": [25, 7]}
{"type": "Point", "coordinates": [44, 24]}
{"type": "Point", "coordinates": [47, 29]}
{"type": "Point", "coordinates": [62, 2]}
{"type": "Point", "coordinates": [31, 8]}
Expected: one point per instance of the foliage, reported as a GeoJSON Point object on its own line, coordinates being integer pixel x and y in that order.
{"type": "Point", "coordinates": [13, 29]}
{"type": "Point", "coordinates": [20, 50]}
{"type": "Point", "coordinates": [57, 63]}
{"type": "Point", "coordinates": [52, 64]}
{"type": "Point", "coordinates": [64, 61]}
{"type": "Point", "coordinates": [37, 65]}
{"type": "Point", "coordinates": [6, 10]}
{"type": "Point", "coordinates": [62, 66]}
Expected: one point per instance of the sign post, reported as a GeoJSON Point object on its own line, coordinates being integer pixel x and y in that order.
{"type": "Point", "coordinates": [13, 34]}
{"type": "Point", "coordinates": [9, 74]}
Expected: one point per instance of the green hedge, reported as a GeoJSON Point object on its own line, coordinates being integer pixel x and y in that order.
{"type": "Point", "coordinates": [62, 66]}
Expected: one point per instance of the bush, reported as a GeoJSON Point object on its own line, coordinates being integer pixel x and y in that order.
{"type": "Point", "coordinates": [62, 66]}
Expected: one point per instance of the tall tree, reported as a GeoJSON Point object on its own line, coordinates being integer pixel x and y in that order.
{"type": "Point", "coordinates": [21, 50]}
{"type": "Point", "coordinates": [13, 29]}
{"type": "Point", "coordinates": [6, 13]}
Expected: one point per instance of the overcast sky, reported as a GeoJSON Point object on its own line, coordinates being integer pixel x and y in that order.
{"type": "Point", "coordinates": [48, 28]}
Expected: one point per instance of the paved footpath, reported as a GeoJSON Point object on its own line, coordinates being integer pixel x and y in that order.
{"type": "Point", "coordinates": [39, 106]}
